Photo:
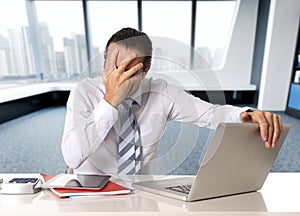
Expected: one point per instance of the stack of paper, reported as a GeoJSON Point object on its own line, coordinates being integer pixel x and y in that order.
{"type": "Point", "coordinates": [110, 188]}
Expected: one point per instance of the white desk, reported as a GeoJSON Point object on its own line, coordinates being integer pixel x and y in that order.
{"type": "Point", "coordinates": [15, 91]}
{"type": "Point", "coordinates": [280, 195]}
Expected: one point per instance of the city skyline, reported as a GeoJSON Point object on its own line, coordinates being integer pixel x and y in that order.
{"type": "Point", "coordinates": [17, 58]}
{"type": "Point", "coordinates": [54, 45]}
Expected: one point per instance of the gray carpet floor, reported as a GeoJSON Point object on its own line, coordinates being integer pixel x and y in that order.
{"type": "Point", "coordinates": [31, 143]}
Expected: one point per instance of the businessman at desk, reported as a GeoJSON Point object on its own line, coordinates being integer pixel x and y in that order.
{"type": "Point", "coordinates": [114, 123]}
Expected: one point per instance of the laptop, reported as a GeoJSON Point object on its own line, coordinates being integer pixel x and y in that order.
{"type": "Point", "coordinates": [236, 161]}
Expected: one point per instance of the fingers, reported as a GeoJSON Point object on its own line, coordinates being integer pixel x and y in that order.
{"type": "Point", "coordinates": [270, 127]}
{"type": "Point", "coordinates": [263, 125]}
{"type": "Point", "coordinates": [111, 64]}
{"type": "Point", "coordinates": [133, 82]}
{"type": "Point", "coordinates": [126, 75]}
{"type": "Point", "coordinates": [277, 129]}
{"type": "Point", "coordinates": [125, 62]}
{"type": "Point", "coordinates": [274, 129]}
{"type": "Point", "coordinates": [138, 77]}
{"type": "Point", "coordinates": [112, 59]}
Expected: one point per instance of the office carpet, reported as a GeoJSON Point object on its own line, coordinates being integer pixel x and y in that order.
{"type": "Point", "coordinates": [31, 143]}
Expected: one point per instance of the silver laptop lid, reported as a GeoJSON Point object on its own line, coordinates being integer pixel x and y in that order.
{"type": "Point", "coordinates": [236, 161]}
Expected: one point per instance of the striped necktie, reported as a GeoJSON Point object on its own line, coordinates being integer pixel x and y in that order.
{"type": "Point", "coordinates": [129, 147]}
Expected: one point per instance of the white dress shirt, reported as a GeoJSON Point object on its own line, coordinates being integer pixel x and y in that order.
{"type": "Point", "coordinates": [90, 139]}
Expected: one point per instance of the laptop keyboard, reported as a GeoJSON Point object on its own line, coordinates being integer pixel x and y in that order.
{"type": "Point", "coordinates": [180, 188]}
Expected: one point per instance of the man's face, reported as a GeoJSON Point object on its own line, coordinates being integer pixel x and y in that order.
{"type": "Point", "coordinates": [118, 80]}
{"type": "Point", "coordinates": [123, 54]}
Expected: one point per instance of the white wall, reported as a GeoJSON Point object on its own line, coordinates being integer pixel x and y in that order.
{"type": "Point", "coordinates": [279, 53]}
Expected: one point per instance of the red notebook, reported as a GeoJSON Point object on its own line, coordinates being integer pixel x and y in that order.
{"type": "Point", "coordinates": [110, 188]}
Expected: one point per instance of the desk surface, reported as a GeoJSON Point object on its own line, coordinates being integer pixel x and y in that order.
{"type": "Point", "coordinates": [14, 91]}
{"type": "Point", "coordinates": [280, 195]}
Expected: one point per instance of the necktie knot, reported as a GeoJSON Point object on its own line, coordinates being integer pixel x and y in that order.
{"type": "Point", "coordinates": [128, 103]}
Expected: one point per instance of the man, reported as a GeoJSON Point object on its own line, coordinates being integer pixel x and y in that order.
{"type": "Point", "coordinates": [99, 109]}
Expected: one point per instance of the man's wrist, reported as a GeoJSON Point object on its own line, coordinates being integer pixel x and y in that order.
{"type": "Point", "coordinates": [108, 99]}
{"type": "Point", "coordinates": [111, 101]}
{"type": "Point", "coordinates": [251, 110]}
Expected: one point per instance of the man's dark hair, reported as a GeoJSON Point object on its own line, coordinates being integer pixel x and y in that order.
{"type": "Point", "coordinates": [133, 39]}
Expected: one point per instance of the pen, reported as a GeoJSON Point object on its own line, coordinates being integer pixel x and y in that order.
{"type": "Point", "coordinates": [84, 197]}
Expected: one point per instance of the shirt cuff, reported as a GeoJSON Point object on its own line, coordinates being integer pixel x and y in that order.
{"type": "Point", "coordinates": [105, 116]}
{"type": "Point", "coordinates": [243, 109]}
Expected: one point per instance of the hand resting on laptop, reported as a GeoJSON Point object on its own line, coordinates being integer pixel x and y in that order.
{"type": "Point", "coordinates": [270, 125]}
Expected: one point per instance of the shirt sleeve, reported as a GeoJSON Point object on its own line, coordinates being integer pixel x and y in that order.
{"type": "Point", "coordinates": [88, 120]}
{"type": "Point", "coordinates": [188, 108]}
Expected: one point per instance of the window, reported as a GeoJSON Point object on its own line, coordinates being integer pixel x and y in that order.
{"type": "Point", "coordinates": [214, 20]}
{"type": "Point", "coordinates": [52, 43]}
{"type": "Point", "coordinates": [16, 56]}
{"type": "Point", "coordinates": [62, 39]}
{"type": "Point", "coordinates": [169, 23]}
{"type": "Point", "coordinates": [170, 19]}
{"type": "Point", "coordinates": [107, 17]}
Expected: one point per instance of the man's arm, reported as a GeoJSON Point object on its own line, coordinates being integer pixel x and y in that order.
{"type": "Point", "coordinates": [188, 108]}
{"type": "Point", "coordinates": [88, 120]}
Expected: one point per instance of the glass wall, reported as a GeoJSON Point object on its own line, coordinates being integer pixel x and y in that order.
{"type": "Point", "coordinates": [171, 19]}
{"type": "Point", "coordinates": [103, 23]}
{"type": "Point", "coordinates": [106, 18]}
{"type": "Point", "coordinates": [16, 54]}
{"type": "Point", "coordinates": [214, 21]}
{"type": "Point", "coordinates": [62, 39]}
{"type": "Point", "coordinates": [46, 41]}
{"type": "Point", "coordinates": [169, 23]}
